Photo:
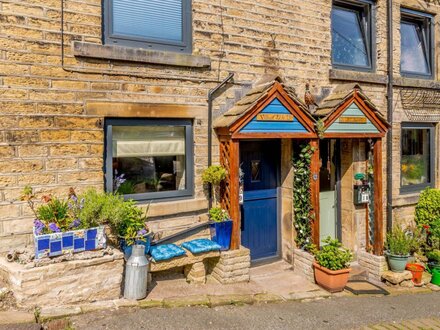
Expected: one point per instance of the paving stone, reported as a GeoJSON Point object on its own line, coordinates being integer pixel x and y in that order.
{"type": "Point", "coordinates": [396, 278]}
{"type": "Point", "coordinates": [232, 299]}
{"type": "Point", "coordinates": [11, 317]}
{"type": "Point", "coordinates": [96, 306]}
{"type": "Point", "coordinates": [267, 298]}
{"type": "Point", "coordinates": [58, 312]}
{"type": "Point", "coordinates": [186, 301]}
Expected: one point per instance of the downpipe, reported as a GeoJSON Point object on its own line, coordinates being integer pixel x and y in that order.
{"type": "Point", "coordinates": [211, 94]}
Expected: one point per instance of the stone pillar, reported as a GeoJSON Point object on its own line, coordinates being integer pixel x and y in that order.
{"type": "Point", "coordinates": [195, 273]}
{"type": "Point", "coordinates": [376, 265]}
{"type": "Point", "coordinates": [303, 264]}
{"type": "Point", "coordinates": [232, 266]}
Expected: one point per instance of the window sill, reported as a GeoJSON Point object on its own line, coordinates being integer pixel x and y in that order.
{"type": "Point", "coordinates": [120, 53]}
{"type": "Point", "coordinates": [358, 76]}
{"type": "Point", "coordinates": [406, 199]}
{"type": "Point", "coordinates": [168, 208]}
{"type": "Point", "coordinates": [416, 82]}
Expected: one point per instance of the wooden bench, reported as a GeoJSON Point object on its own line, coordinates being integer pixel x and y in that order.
{"type": "Point", "coordinates": [194, 265]}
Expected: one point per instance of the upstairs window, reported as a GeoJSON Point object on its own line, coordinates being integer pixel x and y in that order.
{"type": "Point", "coordinates": [417, 158]}
{"type": "Point", "coordinates": [154, 24]}
{"type": "Point", "coordinates": [415, 44]}
{"type": "Point", "coordinates": [352, 34]}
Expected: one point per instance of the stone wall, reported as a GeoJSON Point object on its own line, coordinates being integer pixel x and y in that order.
{"type": "Point", "coordinates": [232, 266]}
{"type": "Point", "coordinates": [303, 264]}
{"type": "Point", "coordinates": [65, 283]}
{"type": "Point", "coordinates": [375, 265]}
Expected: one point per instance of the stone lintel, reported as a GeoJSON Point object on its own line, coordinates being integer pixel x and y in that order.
{"type": "Point", "coordinates": [131, 54]}
{"type": "Point", "coordinates": [144, 110]}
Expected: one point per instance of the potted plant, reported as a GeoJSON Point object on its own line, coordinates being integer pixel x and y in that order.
{"type": "Point", "coordinates": [221, 227]}
{"type": "Point", "coordinates": [221, 224]}
{"type": "Point", "coordinates": [399, 244]}
{"type": "Point", "coordinates": [58, 226]}
{"type": "Point", "coordinates": [332, 265]}
{"type": "Point", "coordinates": [416, 271]}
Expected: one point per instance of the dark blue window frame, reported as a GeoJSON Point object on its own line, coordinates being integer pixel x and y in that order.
{"type": "Point", "coordinates": [365, 10]}
{"type": "Point", "coordinates": [189, 157]}
{"type": "Point", "coordinates": [185, 46]}
{"type": "Point", "coordinates": [425, 23]}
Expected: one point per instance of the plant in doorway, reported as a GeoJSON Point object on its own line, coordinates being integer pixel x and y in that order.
{"type": "Point", "coordinates": [332, 265]}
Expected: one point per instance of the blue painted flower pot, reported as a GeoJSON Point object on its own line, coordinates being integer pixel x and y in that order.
{"type": "Point", "coordinates": [127, 249]}
{"type": "Point", "coordinates": [221, 233]}
{"type": "Point", "coordinates": [73, 241]}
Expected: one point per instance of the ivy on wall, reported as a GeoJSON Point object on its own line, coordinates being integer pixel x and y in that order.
{"type": "Point", "coordinates": [302, 203]}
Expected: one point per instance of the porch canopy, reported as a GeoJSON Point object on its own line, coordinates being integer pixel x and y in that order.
{"type": "Point", "coordinates": [348, 113]}
{"type": "Point", "coordinates": [271, 110]}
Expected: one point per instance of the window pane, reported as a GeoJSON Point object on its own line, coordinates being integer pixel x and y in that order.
{"type": "Point", "coordinates": [348, 42]}
{"type": "Point", "coordinates": [148, 159]}
{"type": "Point", "coordinates": [413, 57]}
{"type": "Point", "coordinates": [415, 168]}
{"type": "Point", "coordinates": [157, 19]}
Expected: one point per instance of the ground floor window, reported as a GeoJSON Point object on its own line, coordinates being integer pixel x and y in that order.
{"type": "Point", "coordinates": [149, 159]}
{"type": "Point", "coordinates": [417, 157]}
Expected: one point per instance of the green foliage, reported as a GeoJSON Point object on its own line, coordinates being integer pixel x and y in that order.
{"type": "Point", "coordinates": [433, 255]}
{"type": "Point", "coordinates": [320, 128]}
{"type": "Point", "coordinates": [55, 210]}
{"type": "Point", "coordinates": [127, 187]}
{"type": "Point", "coordinates": [214, 175]}
{"type": "Point", "coordinates": [218, 214]}
{"type": "Point", "coordinates": [399, 242]}
{"type": "Point", "coordinates": [303, 212]}
{"type": "Point", "coordinates": [428, 207]}
{"type": "Point", "coordinates": [333, 255]}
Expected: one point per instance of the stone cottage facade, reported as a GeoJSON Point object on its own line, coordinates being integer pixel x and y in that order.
{"type": "Point", "coordinates": [78, 78]}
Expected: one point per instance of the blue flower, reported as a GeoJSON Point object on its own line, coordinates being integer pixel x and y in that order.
{"type": "Point", "coordinates": [75, 223]}
{"type": "Point", "coordinates": [54, 227]}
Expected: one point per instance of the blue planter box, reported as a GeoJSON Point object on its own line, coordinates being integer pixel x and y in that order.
{"type": "Point", "coordinates": [221, 233]}
{"type": "Point", "coordinates": [127, 249]}
{"type": "Point", "coordinates": [55, 244]}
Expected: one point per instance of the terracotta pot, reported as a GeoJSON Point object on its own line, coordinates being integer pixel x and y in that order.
{"type": "Point", "coordinates": [331, 280]}
{"type": "Point", "coordinates": [417, 272]}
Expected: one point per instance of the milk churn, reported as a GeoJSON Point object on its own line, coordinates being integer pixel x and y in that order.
{"type": "Point", "coordinates": [136, 273]}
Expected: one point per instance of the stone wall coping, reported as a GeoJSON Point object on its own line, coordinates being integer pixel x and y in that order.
{"type": "Point", "coordinates": [366, 77]}
{"type": "Point", "coordinates": [130, 54]}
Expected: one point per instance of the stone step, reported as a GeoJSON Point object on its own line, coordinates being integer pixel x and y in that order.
{"type": "Point", "coordinates": [358, 273]}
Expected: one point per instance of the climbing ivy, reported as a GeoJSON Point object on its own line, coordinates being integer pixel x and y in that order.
{"type": "Point", "coordinates": [302, 204]}
{"type": "Point", "coordinates": [320, 128]}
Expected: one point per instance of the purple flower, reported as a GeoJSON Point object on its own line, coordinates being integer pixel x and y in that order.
{"type": "Point", "coordinates": [74, 198]}
{"type": "Point", "coordinates": [54, 227]}
{"type": "Point", "coordinates": [39, 226]}
{"type": "Point", "coordinates": [142, 232]}
{"type": "Point", "coordinates": [75, 223]}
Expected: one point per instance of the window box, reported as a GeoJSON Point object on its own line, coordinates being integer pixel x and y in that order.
{"type": "Point", "coordinates": [352, 35]}
{"type": "Point", "coordinates": [148, 159]}
{"type": "Point", "coordinates": [417, 157]}
{"type": "Point", "coordinates": [416, 44]}
{"type": "Point", "coordinates": [154, 24]}
{"type": "Point", "coordinates": [55, 244]}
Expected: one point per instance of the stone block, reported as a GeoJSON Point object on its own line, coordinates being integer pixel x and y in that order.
{"type": "Point", "coordinates": [202, 300]}
{"type": "Point", "coordinates": [396, 278]}
{"type": "Point", "coordinates": [232, 299]}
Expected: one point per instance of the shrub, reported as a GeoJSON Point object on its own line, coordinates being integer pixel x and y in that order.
{"type": "Point", "coordinates": [399, 242]}
{"type": "Point", "coordinates": [333, 255]}
{"type": "Point", "coordinates": [428, 207]}
{"type": "Point", "coordinates": [433, 255]}
{"type": "Point", "coordinates": [214, 175]}
{"type": "Point", "coordinates": [218, 214]}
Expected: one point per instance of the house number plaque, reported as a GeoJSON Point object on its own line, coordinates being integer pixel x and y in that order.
{"type": "Point", "coordinates": [353, 120]}
{"type": "Point", "coordinates": [274, 117]}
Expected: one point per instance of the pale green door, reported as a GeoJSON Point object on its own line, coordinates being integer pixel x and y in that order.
{"type": "Point", "coordinates": [328, 217]}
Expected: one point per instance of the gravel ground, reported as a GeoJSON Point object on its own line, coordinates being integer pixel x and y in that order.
{"type": "Point", "coordinates": [334, 313]}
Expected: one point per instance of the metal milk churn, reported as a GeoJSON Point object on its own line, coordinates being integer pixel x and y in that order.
{"type": "Point", "coordinates": [136, 272]}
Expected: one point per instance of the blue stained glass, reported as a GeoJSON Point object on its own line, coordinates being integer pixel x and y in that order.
{"type": "Point", "coordinates": [90, 245]}
{"type": "Point", "coordinates": [348, 38]}
{"type": "Point", "coordinates": [78, 243]}
{"type": "Point", "coordinates": [91, 233]}
{"type": "Point", "coordinates": [55, 247]}
{"type": "Point", "coordinates": [43, 244]}
{"type": "Point", "coordinates": [413, 57]}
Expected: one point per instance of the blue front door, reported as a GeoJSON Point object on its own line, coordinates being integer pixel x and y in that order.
{"type": "Point", "coordinates": [259, 161]}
